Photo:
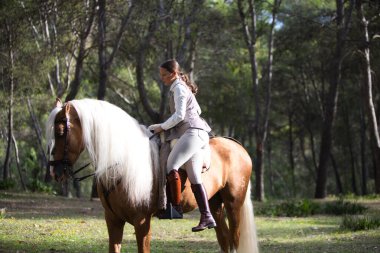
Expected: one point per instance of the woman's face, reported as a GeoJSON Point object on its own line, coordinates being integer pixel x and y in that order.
{"type": "Point", "coordinates": [167, 77]}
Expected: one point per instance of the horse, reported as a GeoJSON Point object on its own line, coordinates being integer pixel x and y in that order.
{"type": "Point", "coordinates": [127, 165]}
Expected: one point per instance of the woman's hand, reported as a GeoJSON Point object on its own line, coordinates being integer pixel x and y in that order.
{"type": "Point", "coordinates": [156, 128]}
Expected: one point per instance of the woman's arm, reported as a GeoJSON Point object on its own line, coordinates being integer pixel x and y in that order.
{"type": "Point", "coordinates": [180, 99]}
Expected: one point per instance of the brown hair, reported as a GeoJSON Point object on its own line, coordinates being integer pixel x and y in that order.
{"type": "Point", "coordinates": [172, 66]}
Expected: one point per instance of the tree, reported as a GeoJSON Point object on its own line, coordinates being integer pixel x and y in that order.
{"type": "Point", "coordinates": [10, 78]}
{"type": "Point", "coordinates": [343, 20]}
{"type": "Point", "coordinates": [83, 35]}
{"type": "Point", "coordinates": [261, 113]}
{"type": "Point", "coordinates": [367, 87]}
{"type": "Point", "coordinates": [37, 130]}
{"type": "Point", "coordinates": [167, 17]}
{"type": "Point", "coordinates": [104, 61]}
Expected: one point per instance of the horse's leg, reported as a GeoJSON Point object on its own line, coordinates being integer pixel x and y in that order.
{"type": "Point", "coordinates": [115, 233]}
{"type": "Point", "coordinates": [221, 229]}
{"type": "Point", "coordinates": [143, 234]}
{"type": "Point", "coordinates": [233, 215]}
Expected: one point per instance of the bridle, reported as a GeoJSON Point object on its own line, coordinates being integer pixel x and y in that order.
{"type": "Point", "coordinates": [64, 166]}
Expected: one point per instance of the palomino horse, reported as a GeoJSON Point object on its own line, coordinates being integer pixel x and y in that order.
{"type": "Point", "coordinates": [127, 162]}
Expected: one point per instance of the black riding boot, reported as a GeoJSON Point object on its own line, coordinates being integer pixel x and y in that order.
{"type": "Point", "coordinates": [206, 221]}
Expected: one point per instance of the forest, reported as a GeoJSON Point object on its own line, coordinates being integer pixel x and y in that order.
{"type": "Point", "coordinates": [296, 82]}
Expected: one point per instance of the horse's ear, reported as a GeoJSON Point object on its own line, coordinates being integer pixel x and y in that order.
{"type": "Point", "coordinates": [58, 102]}
{"type": "Point", "coordinates": [67, 109]}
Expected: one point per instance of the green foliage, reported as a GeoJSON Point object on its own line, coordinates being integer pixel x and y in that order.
{"type": "Point", "coordinates": [7, 184]}
{"type": "Point", "coordinates": [306, 207]}
{"type": "Point", "coordinates": [291, 208]}
{"type": "Point", "coordinates": [371, 196]}
{"type": "Point", "coordinates": [341, 206]}
{"type": "Point", "coordinates": [355, 223]}
{"type": "Point", "coordinates": [352, 196]}
{"type": "Point", "coordinates": [39, 186]}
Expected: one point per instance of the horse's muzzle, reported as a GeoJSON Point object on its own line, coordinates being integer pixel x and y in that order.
{"type": "Point", "coordinates": [60, 170]}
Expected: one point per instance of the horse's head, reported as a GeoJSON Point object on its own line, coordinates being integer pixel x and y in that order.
{"type": "Point", "coordinates": [68, 142]}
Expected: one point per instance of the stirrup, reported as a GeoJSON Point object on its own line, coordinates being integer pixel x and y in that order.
{"type": "Point", "coordinates": [170, 213]}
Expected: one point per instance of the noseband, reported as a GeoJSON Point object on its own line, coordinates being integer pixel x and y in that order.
{"type": "Point", "coordinates": [64, 165]}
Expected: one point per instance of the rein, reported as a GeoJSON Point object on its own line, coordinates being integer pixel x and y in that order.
{"type": "Point", "coordinates": [154, 135]}
{"type": "Point", "coordinates": [84, 177]}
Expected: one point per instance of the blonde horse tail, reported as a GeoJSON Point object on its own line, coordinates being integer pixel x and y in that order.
{"type": "Point", "coordinates": [248, 236]}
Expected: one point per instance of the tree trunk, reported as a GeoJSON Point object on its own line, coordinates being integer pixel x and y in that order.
{"type": "Point", "coordinates": [42, 153]}
{"type": "Point", "coordinates": [367, 83]}
{"type": "Point", "coordinates": [352, 165]}
{"type": "Point", "coordinates": [123, 26]}
{"type": "Point", "coordinates": [352, 161]}
{"type": "Point", "coordinates": [18, 163]}
{"type": "Point", "coordinates": [94, 191]}
{"type": "Point", "coordinates": [65, 189]}
{"type": "Point", "coordinates": [303, 153]}
{"type": "Point", "coordinates": [75, 84]}
{"type": "Point", "coordinates": [140, 62]}
{"type": "Point", "coordinates": [349, 145]}
{"type": "Point", "coordinates": [261, 129]}
{"type": "Point", "coordinates": [332, 98]}
{"type": "Point", "coordinates": [363, 156]}
{"type": "Point", "coordinates": [250, 40]}
{"type": "Point", "coordinates": [7, 161]}
{"type": "Point", "coordinates": [339, 187]}
{"type": "Point", "coordinates": [106, 63]}
{"type": "Point", "coordinates": [102, 61]}
{"type": "Point", "coordinates": [76, 185]}
{"type": "Point", "coordinates": [102, 49]}
{"type": "Point", "coordinates": [259, 173]}
{"type": "Point", "coordinates": [191, 34]}
{"type": "Point", "coordinates": [312, 148]}
{"type": "Point", "coordinates": [270, 168]}
{"type": "Point", "coordinates": [291, 153]}
{"type": "Point", "coordinates": [49, 15]}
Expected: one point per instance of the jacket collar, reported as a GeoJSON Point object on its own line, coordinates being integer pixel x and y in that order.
{"type": "Point", "coordinates": [175, 83]}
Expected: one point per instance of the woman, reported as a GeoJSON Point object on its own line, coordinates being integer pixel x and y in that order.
{"type": "Point", "coordinates": [192, 131]}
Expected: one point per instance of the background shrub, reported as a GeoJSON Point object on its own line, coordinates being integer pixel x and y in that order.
{"type": "Point", "coordinates": [7, 184]}
{"type": "Point", "coordinates": [355, 223]}
{"type": "Point", "coordinates": [306, 207]}
{"type": "Point", "coordinates": [39, 186]}
{"type": "Point", "coordinates": [341, 207]}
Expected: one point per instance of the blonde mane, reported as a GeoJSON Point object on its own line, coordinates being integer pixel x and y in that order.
{"type": "Point", "coordinates": [50, 131]}
{"type": "Point", "coordinates": [119, 147]}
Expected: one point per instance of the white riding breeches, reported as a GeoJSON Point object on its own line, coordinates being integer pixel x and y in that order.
{"type": "Point", "coordinates": [190, 151]}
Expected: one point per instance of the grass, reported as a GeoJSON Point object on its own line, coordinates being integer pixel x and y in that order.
{"type": "Point", "coordinates": [356, 223]}
{"type": "Point", "coordinates": [45, 223]}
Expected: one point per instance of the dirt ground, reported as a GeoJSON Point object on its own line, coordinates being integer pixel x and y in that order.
{"type": "Point", "coordinates": [37, 205]}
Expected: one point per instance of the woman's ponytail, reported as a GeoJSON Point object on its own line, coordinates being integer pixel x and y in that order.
{"type": "Point", "coordinates": [192, 86]}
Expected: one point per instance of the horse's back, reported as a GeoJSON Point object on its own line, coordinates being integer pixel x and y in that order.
{"type": "Point", "coordinates": [231, 154]}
